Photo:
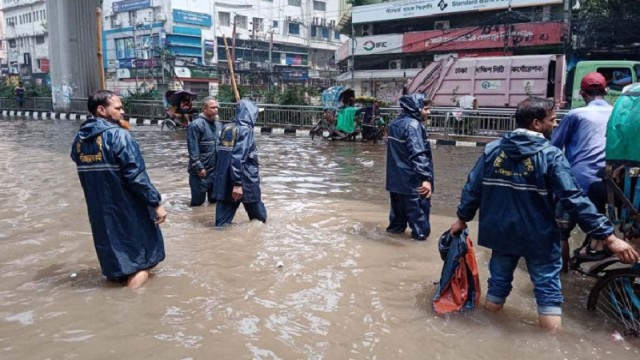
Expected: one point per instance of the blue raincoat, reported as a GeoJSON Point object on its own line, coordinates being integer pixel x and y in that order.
{"type": "Point", "coordinates": [202, 140]}
{"type": "Point", "coordinates": [515, 184]}
{"type": "Point", "coordinates": [120, 198]}
{"type": "Point", "coordinates": [238, 156]}
{"type": "Point", "coordinates": [409, 160]}
{"type": "Point", "coordinates": [409, 164]}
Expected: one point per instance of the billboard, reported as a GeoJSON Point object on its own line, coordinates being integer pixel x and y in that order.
{"type": "Point", "coordinates": [193, 18]}
{"type": "Point", "coordinates": [490, 37]}
{"type": "Point", "coordinates": [421, 8]}
{"type": "Point", "coordinates": [130, 5]}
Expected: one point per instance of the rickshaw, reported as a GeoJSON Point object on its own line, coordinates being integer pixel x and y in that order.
{"type": "Point", "coordinates": [327, 123]}
{"type": "Point", "coordinates": [179, 109]}
{"type": "Point", "coordinates": [616, 293]}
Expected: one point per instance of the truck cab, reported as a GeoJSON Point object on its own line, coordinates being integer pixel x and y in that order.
{"type": "Point", "coordinates": [618, 73]}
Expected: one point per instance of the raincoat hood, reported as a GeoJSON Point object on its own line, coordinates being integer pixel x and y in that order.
{"type": "Point", "coordinates": [412, 104]}
{"type": "Point", "coordinates": [246, 113]}
{"type": "Point", "coordinates": [94, 127]}
{"type": "Point", "coordinates": [522, 143]}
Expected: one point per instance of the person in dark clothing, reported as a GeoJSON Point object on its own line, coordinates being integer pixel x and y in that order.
{"type": "Point", "coordinates": [19, 93]}
{"type": "Point", "coordinates": [237, 177]}
{"type": "Point", "coordinates": [369, 114]}
{"type": "Point", "coordinates": [516, 185]}
{"type": "Point", "coordinates": [202, 141]}
{"type": "Point", "coordinates": [124, 207]}
{"type": "Point", "coordinates": [410, 169]}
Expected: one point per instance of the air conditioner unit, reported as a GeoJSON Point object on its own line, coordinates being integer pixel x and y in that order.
{"type": "Point", "coordinates": [416, 65]}
{"type": "Point", "coordinates": [115, 22]}
{"type": "Point", "coordinates": [367, 29]}
{"type": "Point", "coordinates": [441, 25]}
{"type": "Point", "coordinates": [288, 18]}
{"type": "Point", "coordinates": [395, 64]}
{"type": "Point", "coordinates": [161, 16]}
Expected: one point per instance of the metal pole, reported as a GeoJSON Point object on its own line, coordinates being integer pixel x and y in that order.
{"type": "Point", "coordinates": [270, 59]}
{"type": "Point", "coordinates": [353, 51]}
{"type": "Point", "coordinates": [100, 53]}
{"type": "Point", "coordinates": [253, 28]}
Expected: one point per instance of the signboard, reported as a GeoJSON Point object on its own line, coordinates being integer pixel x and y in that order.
{"type": "Point", "coordinates": [193, 18]}
{"type": "Point", "coordinates": [44, 65]}
{"type": "Point", "coordinates": [379, 44]}
{"type": "Point", "coordinates": [421, 8]}
{"type": "Point", "coordinates": [209, 51]}
{"type": "Point", "coordinates": [522, 35]}
{"type": "Point", "coordinates": [294, 75]}
{"type": "Point", "coordinates": [130, 5]}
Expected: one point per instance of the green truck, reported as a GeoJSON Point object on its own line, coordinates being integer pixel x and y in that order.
{"type": "Point", "coordinates": [619, 73]}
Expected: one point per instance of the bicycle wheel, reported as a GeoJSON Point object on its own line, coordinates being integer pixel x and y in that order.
{"type": "Point", "coordinates": [617, 296]}
{"type": "Point", "coordinates": [169, 124]}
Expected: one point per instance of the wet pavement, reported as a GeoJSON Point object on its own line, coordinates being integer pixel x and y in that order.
{"type": "Point", "coordinates": [320, 280]}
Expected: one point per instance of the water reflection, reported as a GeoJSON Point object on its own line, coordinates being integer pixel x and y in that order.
{"type": "Point", "coordinates": [320, 280]}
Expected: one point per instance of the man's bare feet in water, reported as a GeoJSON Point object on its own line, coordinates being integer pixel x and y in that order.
{"type": "Point", "coordinates": [138, 279]}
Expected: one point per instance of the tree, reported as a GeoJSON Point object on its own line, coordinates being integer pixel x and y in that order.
{"type": "Point", "coordinates": [608, 24]}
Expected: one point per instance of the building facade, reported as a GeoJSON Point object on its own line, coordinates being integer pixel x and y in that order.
{"type": "Point", "coordinates": [180, 43]}
{"type": "Point", "coordinates": [26, 40]}
{"type": "Point", "coordinates": [392, 41]}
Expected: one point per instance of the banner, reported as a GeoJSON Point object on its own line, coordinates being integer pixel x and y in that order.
{"type": "Point", "coordinates": [421, 8]}
{"type": "Point", "coordinates": [526, 34]}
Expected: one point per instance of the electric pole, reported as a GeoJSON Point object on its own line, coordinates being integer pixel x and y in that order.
{"type": "Point", "coordinates": [252, 72]}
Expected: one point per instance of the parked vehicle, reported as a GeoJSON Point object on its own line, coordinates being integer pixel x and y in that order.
{"type": "Point", "coordinates": [506, 81]}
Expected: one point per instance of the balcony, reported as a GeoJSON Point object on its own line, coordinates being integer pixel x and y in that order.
{"type": "Point", "coordinates": [14, 4]}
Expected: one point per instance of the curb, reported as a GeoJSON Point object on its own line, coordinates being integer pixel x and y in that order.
{"type": "Point", "coordinates": [259, 129]}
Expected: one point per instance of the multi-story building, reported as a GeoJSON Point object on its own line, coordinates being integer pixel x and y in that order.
{"type": "Point", "coordinates": [4, 67]}
{"type": "Point", "coordinates": [179, 43]}
{"type": "Point", "coordinates": [392, 41]}
{"type": "Point", "coordinates": [26, 39]}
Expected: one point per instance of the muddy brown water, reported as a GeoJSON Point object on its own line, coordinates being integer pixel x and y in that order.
{"type": "Point", "coordinates": [344, 290]}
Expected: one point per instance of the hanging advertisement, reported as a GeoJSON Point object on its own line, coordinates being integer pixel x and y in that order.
{"type": "Point", "coordinates": [521, 35]}
{"type": "Point", "coordinates": [209, 51]}
{"type": "Point", "coordinates": [421, 8]}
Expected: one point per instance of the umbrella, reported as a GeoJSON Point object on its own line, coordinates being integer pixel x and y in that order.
{"type": "Point", "coordinates": [176, 98]}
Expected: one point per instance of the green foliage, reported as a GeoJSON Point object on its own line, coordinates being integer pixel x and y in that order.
{"type": "Point", "coordinates": [606, 23]}
{"type": "Point", "coordinates": [292, 95]}
{"type": "Point", "coordinates": [225, 93]}
{"type": "Point", "coordinates": [362, 2]}
{"type": "Point", "coordinates": [139, 95]}
{"type": "Point", "coordinates": [7, 90]}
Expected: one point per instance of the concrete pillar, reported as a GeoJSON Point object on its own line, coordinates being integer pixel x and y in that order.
{"type": "Point", "coordinates": [72, 50]}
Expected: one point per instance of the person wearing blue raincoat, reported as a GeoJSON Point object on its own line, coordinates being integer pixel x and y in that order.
{"type": "Point", "coordinates": [202, 141]}
{"type": "Point", "coordinates": [410, 169]}
{"type": "Point", "coordinates": [124, 207]}
{"type": "Point", "coordinates": [515, 185]}
{"type": "Point", "coordinates": [237, 177]}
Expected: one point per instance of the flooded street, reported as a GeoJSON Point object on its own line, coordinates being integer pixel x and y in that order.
{"type": "Point", "coordinates": [320, 280]}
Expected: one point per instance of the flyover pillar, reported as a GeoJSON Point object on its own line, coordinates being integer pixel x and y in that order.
{"type": "Point", "coordinates": [72, 50]}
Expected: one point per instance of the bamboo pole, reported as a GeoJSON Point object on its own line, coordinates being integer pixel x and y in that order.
{"type": "Point", "coordinates": [230, 64]}
{"type": "Point", "coordinates": [100, 50]}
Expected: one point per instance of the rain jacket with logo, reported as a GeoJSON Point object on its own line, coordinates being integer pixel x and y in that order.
{"type": "Point", "coordinates": [237, 163]}
{"type": "Point", "coordinates": [515, 184]}
{"type": "Point", "coordinates": [409, 161]}
{"type": "Point", "coordinates": [202, 140]}
{"type": "Point", "coordinates": [120, 198]}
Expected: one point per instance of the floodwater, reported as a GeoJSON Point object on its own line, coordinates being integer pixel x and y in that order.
{"type": "Point", "coordinates": [321, 280]}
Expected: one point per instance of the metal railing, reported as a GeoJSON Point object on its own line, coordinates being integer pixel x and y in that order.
{"type": "Point", "coordinates": [446, 121]}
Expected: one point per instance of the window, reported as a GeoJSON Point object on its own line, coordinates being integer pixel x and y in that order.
{"type": "Point", "coordinates": [320, 5]}
{"type": "Point", "coordinates": [294, 29]}
{"type": "Point", "coordinates": [325, 33]}
{"type": "Point", "coordinates": [314, 31]}
{"type": "Point", "coordinates": [44, 15]}
{"type": "Point", "coordinates": [35, 16]}
{"type": "Point", "coordinates": [125, 48]}
{"type": "Point", "coordinates": [336, 35]}
{"type": "Point", "coordinates": [0, 44]}
{"type": "Point", "coordinates": [294, 3]}
{"type": "Point", "coordinates": [258, 24]}
{"type": "Point", "coordinates": [241, 21]}
{"type": "Point", "coordinates": [12, 44]}
{"type": "Point", "coordinates": [617, 78]}
{"type": "Point", "coordinates": [224, 18]}
{"type": "Point", "coordinates": [275, 24]}
{"type": "Point", "coordinates": [40, 39]}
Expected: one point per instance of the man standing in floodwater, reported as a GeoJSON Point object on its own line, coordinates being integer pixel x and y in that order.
{"type": "Point", "coordinates": [410, 169]}
{"type": "Point", "coordinates": [124, 207]}
{"type": "Point", "coordinates": [515, 185]}
{"type": "Point", "coordinates": [238, 170]}
{"type": "Point", "coordinates": [202, 141]}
